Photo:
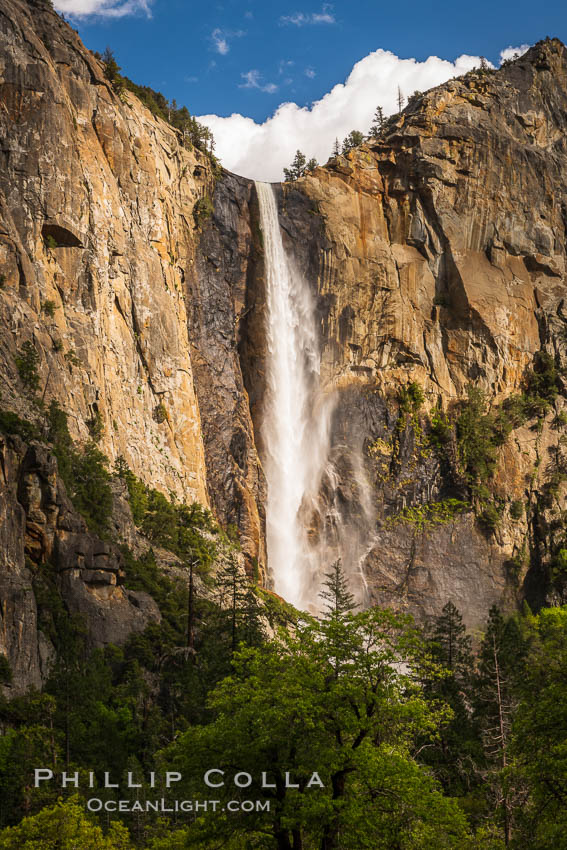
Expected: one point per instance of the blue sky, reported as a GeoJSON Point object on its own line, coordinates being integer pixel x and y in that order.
{"type": "Point", "coordinates": [249, 56]}
{"type": "Point", "coordinates": [176, 52]}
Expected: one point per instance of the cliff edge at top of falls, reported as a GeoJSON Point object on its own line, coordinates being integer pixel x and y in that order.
{"type": "Point", "coordinates": [442, 241]}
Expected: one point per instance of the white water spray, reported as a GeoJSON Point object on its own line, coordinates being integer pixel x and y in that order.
{"type": "Point", "coordinates": [296, 430]}
{"type": "Point", "coordinates": [292, 372]}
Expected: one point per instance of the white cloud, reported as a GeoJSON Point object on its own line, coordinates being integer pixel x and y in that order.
{"type": "Point", "coordinates": [309, 72]}
{"type": "Point", "coordinates": [220, 39]}
{"type": "Point", "coordinates": [325, 16]}
{"type": "Point", "coordinates": [260, 151]}
{"type": "Point", "coordinates": [252, 80]}
{"type": "Point", "coordinates": [103, 8]}
{"type": "Point", "coordinates": [510, 52]}
{"type": "Point", "coordinates": [300, 19]}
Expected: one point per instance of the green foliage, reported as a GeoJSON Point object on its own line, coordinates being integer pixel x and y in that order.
{"type": "Point", "coordinates": [481, 431]}
{"type": "Point", "coordinates": [49, 307]}
{"type": "Point", "coordinates": [509, 415]}
{"type": "Point", "coordinates": [490, 516]}
{"type": "Point", "coordinates": [173, 525]}
{"type": "Point", "coordinates": [559, 567]}
{"type": "Point", "coordinates": [89, 488]}
{"type": "Point", "coordinates": [240, 608]}
{"type": "Point", "coordinates": [202, 210]}
{"type": "Point", "coordinates": [475, 437]}
{"type": "Point", "coordinates": [143, 574]}
{"type": "Point", "coordinates": [335, 593]}
{"type": "Point", "coordinates": [96, 426]}
{"type": "Point", "coordinates": [499, 671]}
{"type": "Point", "coordinates": [538, 746]}
{"type": "Point", "coordinates": [431, 514]}
{"type": "Point", "coordinates": [328, 697]}
{"type": "Point", "coordinates": [353, 140]}
{"type": "Point", "coordinates": [26, 742]}
{"type": "Point", "coordinates": [64, 826]}
{"type": "Point", "coordinates": [27, 361]}
{"type": "Point", "coordinates": [137, 490]}
{"type": "Point", "coordinates": [543, 384]}
{"type": "Point", "coordinates": [515, 564]}
{"type": "Point", "coordinates": [177, 527]}
{"type": "Point", "coordinates": [297, 167]}
{"type": "Point", "coordinates": [160, 413]}
{"type": "Point", "coordinates": [193, 133]}
{"type": "Point", "coordinates": [440, 429]}
{"type": "Point", "coordinates": [111, 66]}
{"type": "Point", "coordinates": [517, 509]}
{"type": "Point", "coordinates": [411, 398]}
{"type": "Point", "coordinates": [58, 434]}
{"type": "Point", "coordinates": [50, 241]}
{"type": "Point", "coordinates": [11, 423]}
{"type": "Point", "coordinates": [84, 471]}
{"type": "Point", "coordinates": [457, 752]}
{"type": "Point", "coordinates": [377, 123]}
{"type": "Point", "coordinates": [72, 359]}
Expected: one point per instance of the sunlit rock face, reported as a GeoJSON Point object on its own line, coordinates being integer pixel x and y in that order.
{"type": "Point", "coordinates": [436, 254]}
{"type": "Point", "coordinates": [96, 205]}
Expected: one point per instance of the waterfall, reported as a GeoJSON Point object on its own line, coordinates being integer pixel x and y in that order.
{"type": "Point", "coordinates": [304, 528]}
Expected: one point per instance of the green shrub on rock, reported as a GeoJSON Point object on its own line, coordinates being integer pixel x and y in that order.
{"type": "Point", "coordinates": [202, 210]}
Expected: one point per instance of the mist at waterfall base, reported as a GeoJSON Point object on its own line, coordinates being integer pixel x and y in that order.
{"type": "Point", "coordinates": [305, 529]}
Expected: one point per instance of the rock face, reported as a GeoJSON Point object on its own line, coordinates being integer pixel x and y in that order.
{"type": "Point", "coordinates": [96, 202]}
{"type": "Point", "coordinates": [436, 254]}
{"type": "Point", "coordinates": [44, 539]}
{"type": "Point", "coordinates": [101, 271]}
{"type": "Point", "coordinates": [219, 297]}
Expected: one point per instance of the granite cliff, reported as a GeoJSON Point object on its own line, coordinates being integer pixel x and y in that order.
{"type": "Point", "coordinates": [436, 253]}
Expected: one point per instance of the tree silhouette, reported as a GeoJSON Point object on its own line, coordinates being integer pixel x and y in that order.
{"type": "Point", "coordinates": [377, 122]}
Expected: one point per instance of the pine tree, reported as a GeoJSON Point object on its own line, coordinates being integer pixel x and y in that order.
{"type": "Point", "coordinates": [354, 138]}
{"type": "Point", "coordinates": [338, 600]}
{"type": "Point", "coordinates": [336, 148]}
{"type": "Point", "coordinates": [538, 745]}
{"type": "Point", "coordinates": [377, 122]}
{"type": "Point", "coordinates": [454, 644]}
{"type": "Point", "coordinates": [239, 604]}
{"type": "Point", "coordinates": [457, 752]}
{"type": "Point", "coordinates": [312, 164]}
{"type": "Point", "coordinates": [111, 66]}
{"type": "Point", "coordinates": [297, 167]}
{"type": "Point", "coordinates": [499, 661]}
{"type": "Point", "coordinates": [401, 100]}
